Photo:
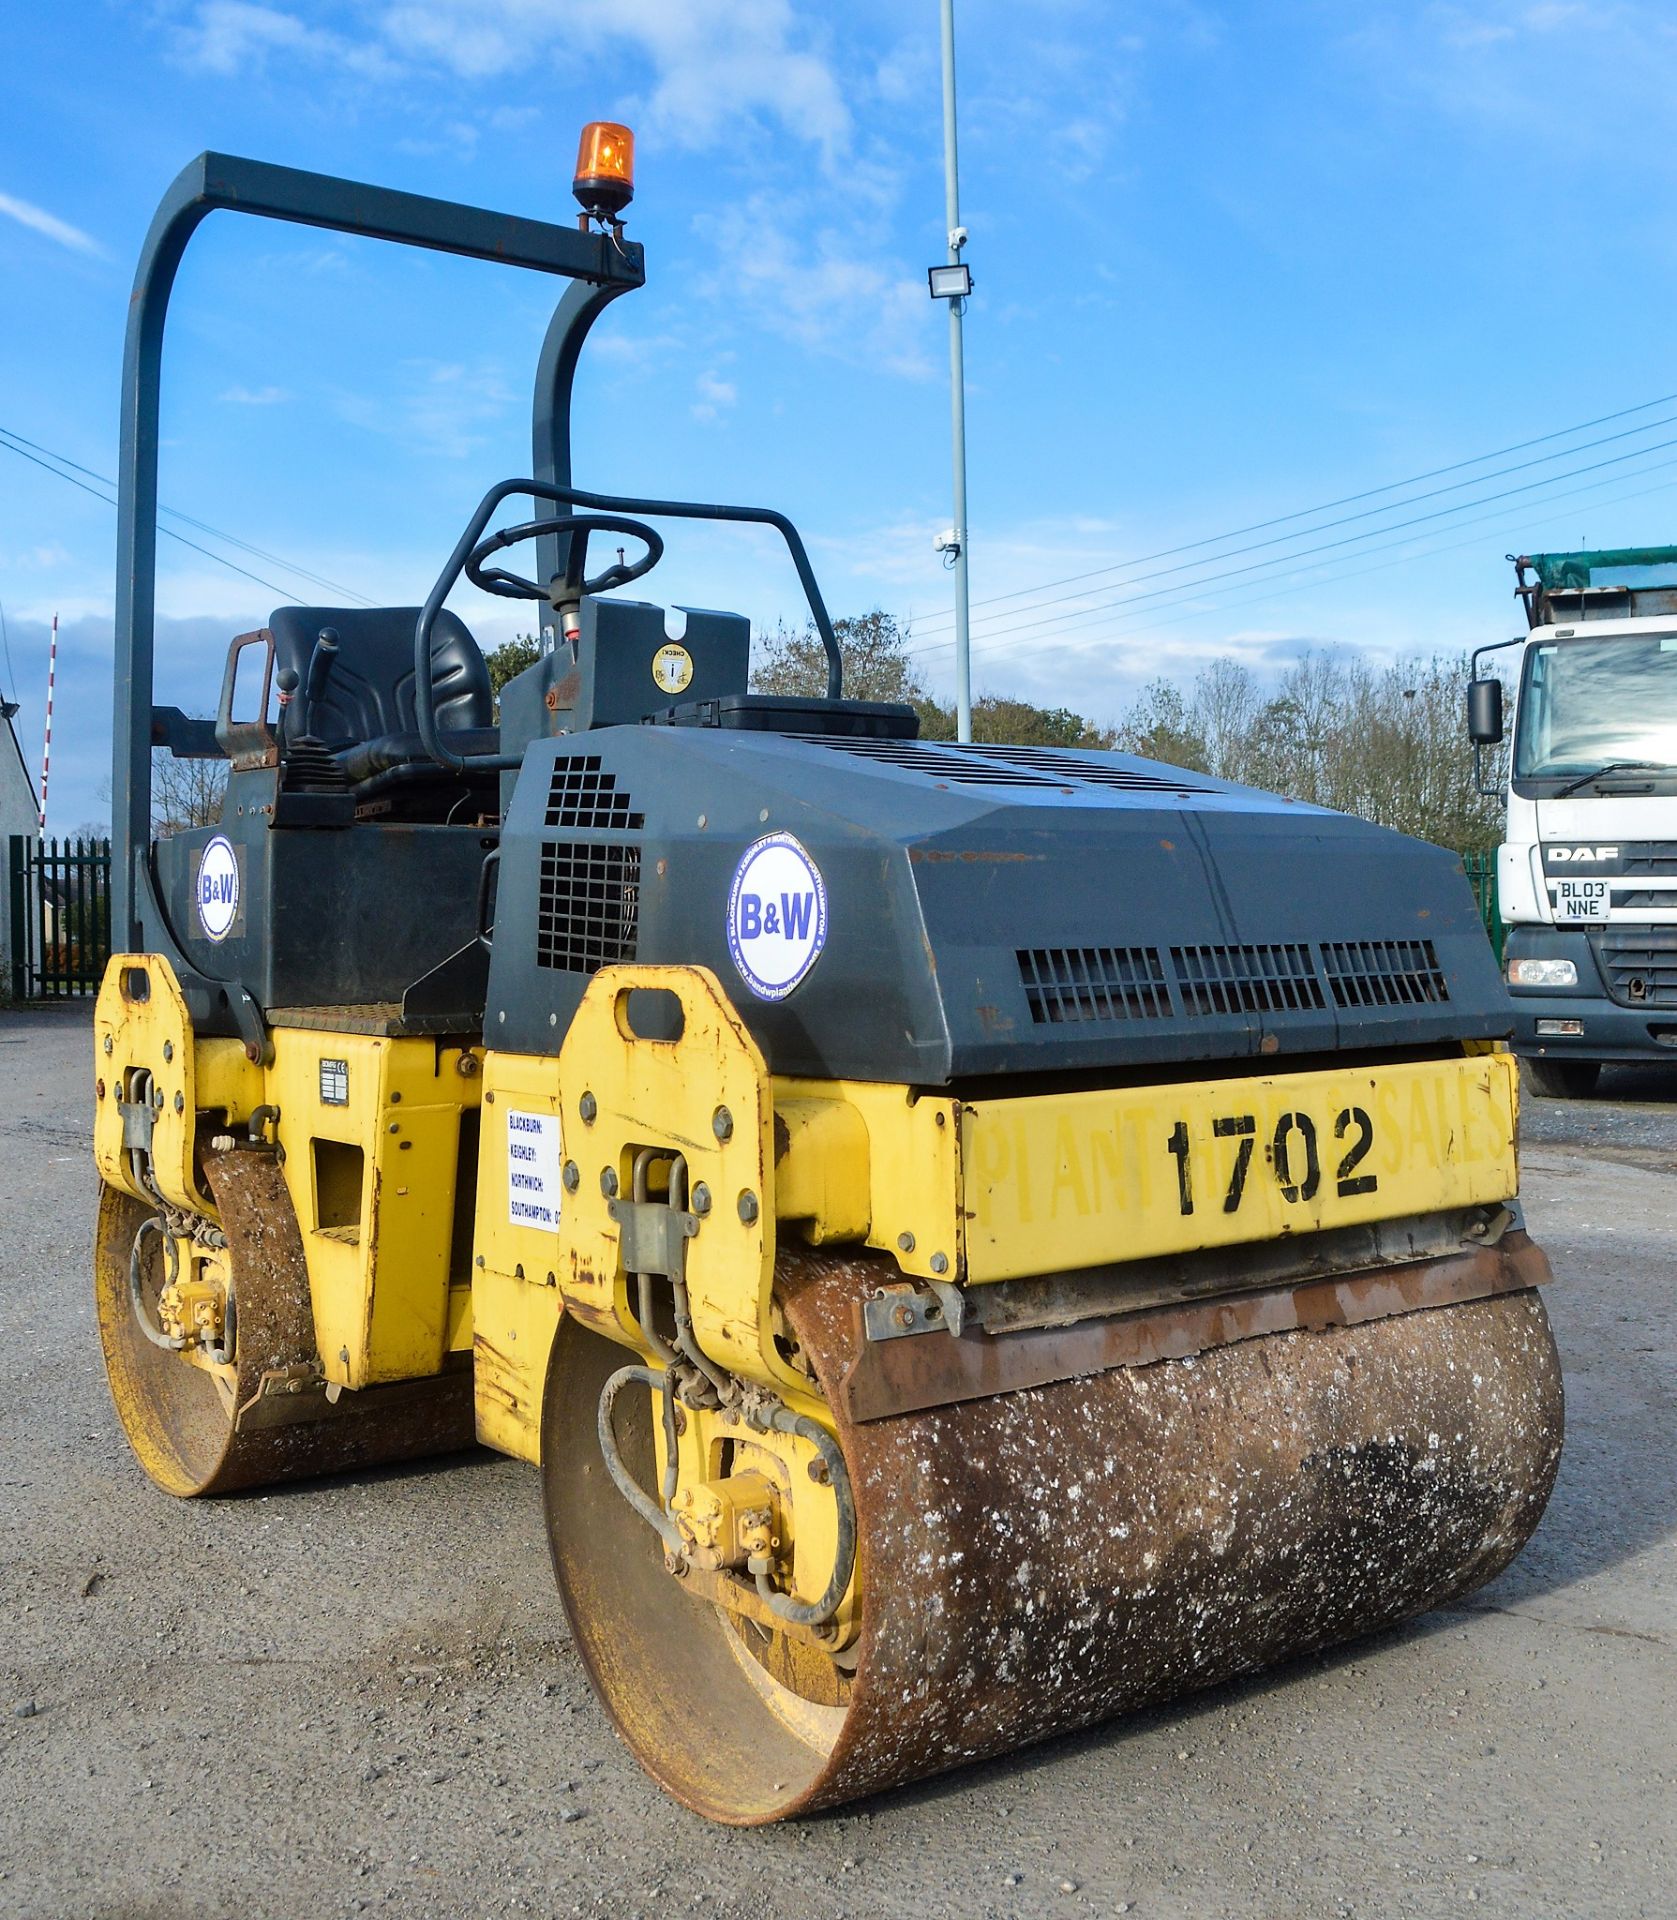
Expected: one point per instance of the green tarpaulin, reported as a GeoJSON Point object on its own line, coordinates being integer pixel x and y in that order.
{"type": "Point", "coordinates": [1574, 570]}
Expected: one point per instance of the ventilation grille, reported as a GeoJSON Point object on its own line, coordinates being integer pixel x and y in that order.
{"type": "Point", "coordinates": [1641, 969]}
{"type": "Point", "coordinates": [1092, 773]}
{"type": "Point", "coordinates": [1649, 859]}
{"type": "Point", "coordinates": [938, 763]}
{"type": "Point", "coordinates": [581, 796]}
{"type": "Point", "coordinates": [1093, 983]}
{"type": "Point", "coordinates": [1383, 973]}
{"type": "Point", "coordinates": [1269, 979]}
{"type": "Point", "coordinates": [1064, 984]}
{"type": "Point", "coordinates": [985, 766]}
{"type": "Point", "coordinates": [587, 906]}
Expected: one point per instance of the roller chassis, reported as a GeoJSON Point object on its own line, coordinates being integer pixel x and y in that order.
{"type": "Point", "coordinates": [1029, 1299]}
{"type": "Point", "coordinates": [734, 1238]}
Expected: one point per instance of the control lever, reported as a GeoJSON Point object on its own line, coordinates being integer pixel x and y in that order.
{"type": "Point", "coordinates": [288, 680]}
{"type": "Point", "coordinates": [320, 667]}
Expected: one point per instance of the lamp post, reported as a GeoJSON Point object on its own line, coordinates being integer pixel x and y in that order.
{"type": "Point", "coordinates": [953, 283]}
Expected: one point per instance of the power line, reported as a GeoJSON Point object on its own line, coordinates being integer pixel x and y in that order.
{"type": "Point", "coordinates": [203, 526]}
{"type": "Point", "coordinates": [1325, 578]}
{"type": "Point", "coordinates": [1368, 513]}
{"type": "Point", "coordinates": [1060, 622]}
{"type": "Point", "coordinates": [1321, 570]}
{"type": "Point", "coordinates": [30, 450]}
{"type": "Point", "coordinates": [221, 559]}
{"type": "Point", "coordinates": [1385, 566]}
{"type": "Point", "coordinates": [1327, 506]}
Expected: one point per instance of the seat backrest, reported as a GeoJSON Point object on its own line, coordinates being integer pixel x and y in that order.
{"type": "Point", "coordinates": [370, 690]}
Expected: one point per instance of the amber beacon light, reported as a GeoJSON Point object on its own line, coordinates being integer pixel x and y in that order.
{"type": "Point", "coordinates": [605, 169]}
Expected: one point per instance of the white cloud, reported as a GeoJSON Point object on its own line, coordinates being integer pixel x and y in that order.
{"type": "Point", "coordinates": [714, 63]}
{"type": "Point", "coordinates": [236, 38]}
{"type": "Point", "coordinates": [1479, 61]}
{"type": "Point", "coordinates": [715, 395]}
{"type": "Point", "coordinates": [908, 73]}
{"type": "Point", "coordinates": [42, 558]}
{"type": "Point", "coordinates": [823, 291]}
{"type": "Point", "coordinates": [439, 408]}
{"type": "Point", "coordinates": [255, 396]}
{"type": "Point", "coordinates": [38, 220]}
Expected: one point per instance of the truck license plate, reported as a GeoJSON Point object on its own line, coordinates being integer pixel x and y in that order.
{"type": "Point", "coordinates": [1581, 899]}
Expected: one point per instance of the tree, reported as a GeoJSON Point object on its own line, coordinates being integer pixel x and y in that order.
{"type": "Point", "coordinates": [1386, 743]}
{"type": "Point", "coordinates": [793, 663]}
{"type": "Point", "coordinates": [509, 659]}
{"type": "Point", "coordinates": [186, 793]}
{"type": "Point", "coordinates": [998, 721]}
{"type": "Point", "coordinates": [878, 666]}
{"type": "Point", "coordinates": [1160, 727]}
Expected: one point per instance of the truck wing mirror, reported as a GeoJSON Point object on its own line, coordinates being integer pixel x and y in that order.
{"type": "Point", "coordinates": [1484, 712]}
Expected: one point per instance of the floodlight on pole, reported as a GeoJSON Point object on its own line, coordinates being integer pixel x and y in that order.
{"type": "Point", "coordinates": [952, 282]}
{"type": "Point", "coordinates": [949, 283]}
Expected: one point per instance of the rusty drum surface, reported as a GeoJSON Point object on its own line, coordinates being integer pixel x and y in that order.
{"type": "Point", "coordinates": [280, 1425]}
{"type": "Point", "coordinates": [1046, 1558]}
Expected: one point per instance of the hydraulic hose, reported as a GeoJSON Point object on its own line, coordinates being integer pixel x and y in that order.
{"type": "Point", "coordinates": [622, 1479]}
{"type": "Point", "coordinates": [780, 1419]}
{"type": "Point", "coordinates": [811, 1613]}
{"type": "Point", "coordinates": [136, 1260]}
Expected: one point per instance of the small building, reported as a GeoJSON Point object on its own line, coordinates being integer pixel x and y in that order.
{"type": "Point", "coordinates": [20, 814]}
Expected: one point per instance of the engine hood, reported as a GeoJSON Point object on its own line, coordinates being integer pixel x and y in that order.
{"type": "Point", "coordinates": [917, 912]}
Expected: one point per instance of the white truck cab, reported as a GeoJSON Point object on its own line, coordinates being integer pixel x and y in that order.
{"type": "Point", "coordinates": [1587, 872]}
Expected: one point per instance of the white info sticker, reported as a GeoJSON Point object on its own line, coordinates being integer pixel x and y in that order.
{"type": "Point", "coordinates": [533, 1154]}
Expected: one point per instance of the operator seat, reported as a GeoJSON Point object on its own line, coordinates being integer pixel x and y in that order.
{"type": "Point", "coordinates": [368, 694]}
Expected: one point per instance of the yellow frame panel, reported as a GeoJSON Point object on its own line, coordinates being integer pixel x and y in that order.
{"type": "Point", "coordinates": [130, 1032]}
{"type": "Point", "coordinates": [1075, 1180]}
{"type": "Point", "coordinates": [660, 1093]}
{"type": "Point", "coordinates": [382, 1304]}
{"type": "Point", "coordinates": [908, 1171]}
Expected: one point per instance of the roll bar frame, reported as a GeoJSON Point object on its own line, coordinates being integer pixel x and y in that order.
{"type": "Point", "coordinates": [600, 265]}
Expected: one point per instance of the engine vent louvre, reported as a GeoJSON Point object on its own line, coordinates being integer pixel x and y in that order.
{"type": "Point", "coordinates": [985, 766]}
{"type": "Point", "coordinates": [1092, 773]}
{"type": "Point", "coordinates": [1065, 984]}
{"type": "Point", "coordinates": [1247, 979]}
{"type": "Point", "coordinates": [587, 906]}
{"type": "Point", "coordinates": [581, 796]}
{"type": "Point", "coordinates": [1640, 968]}
{"type": "Point", "coordinates": [938, 762]}
{"type": "Point", "coordinates": [1383, 973]}
{"type": "Point", "coordinates": [1093, 983]}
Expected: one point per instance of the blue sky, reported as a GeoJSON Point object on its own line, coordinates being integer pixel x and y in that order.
{"type": "Point", "coordinates": [1231, 262]}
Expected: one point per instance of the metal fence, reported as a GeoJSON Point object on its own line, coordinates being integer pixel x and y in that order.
{"type": "Point", "coordinates": [60, 899]}
{"type": "Point", "coordinates": [1481, 872]}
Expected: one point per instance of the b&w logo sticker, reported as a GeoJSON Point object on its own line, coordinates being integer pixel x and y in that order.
{"type": "Point", "coordinates": [777, 916]}
{"type": "Point", "coordinates": [218, 888]}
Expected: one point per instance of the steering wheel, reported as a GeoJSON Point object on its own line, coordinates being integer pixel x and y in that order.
{"type": "Point", "coordinates": [580, 526]}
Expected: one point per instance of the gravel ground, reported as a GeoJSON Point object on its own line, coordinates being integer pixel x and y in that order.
{"type": "Point", "coordinates": [360, 1695]}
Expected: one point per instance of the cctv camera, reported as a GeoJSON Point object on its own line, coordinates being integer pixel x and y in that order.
{"type": "Point", "coordinates": [957, 238]}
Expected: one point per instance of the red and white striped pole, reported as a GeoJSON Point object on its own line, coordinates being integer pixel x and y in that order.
{"type": "Point", "coordinates": [46, 744]}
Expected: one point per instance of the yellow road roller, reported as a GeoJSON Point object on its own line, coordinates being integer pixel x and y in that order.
{"type": "Point", "coordinates": [973, 1239]}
